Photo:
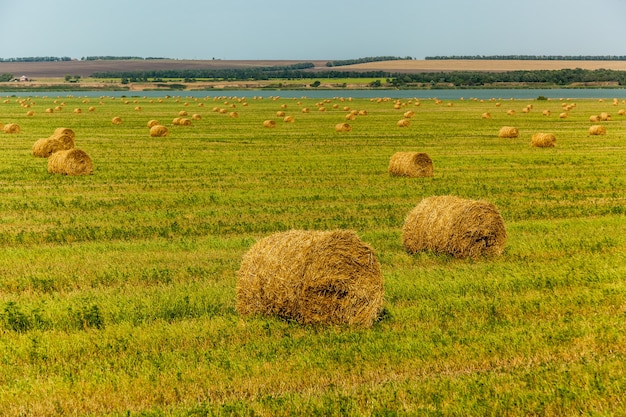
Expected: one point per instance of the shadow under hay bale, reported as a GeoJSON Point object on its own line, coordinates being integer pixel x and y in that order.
{"type": "Point", "coordinates": [455, 226]}
{"type": "Point", "coordinates": [325, 277]}
{"type": "Point", "coordinates": [508, 132]}
{"type": "Point", "coordinates": [410, 164]}
{"type": "Point", "coordinates": [70, 162]}
{"type": "Point", "coordinates": [543, 140]}
{"type": "Point", "coordinates": [61, 139]}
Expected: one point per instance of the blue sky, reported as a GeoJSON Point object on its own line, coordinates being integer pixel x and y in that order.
{"type": "Point", "coordinates": [310, 30]}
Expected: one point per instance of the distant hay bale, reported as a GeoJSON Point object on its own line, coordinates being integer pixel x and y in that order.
{"type": "Point", "coordinates": [455, 226]}
{"type": "Point", "coordinates": [233, 114]}
{"type": "Point", "coordinates": [563, 115]}
{"type": "Point", "coordinates": [343, 127]}
{"type": "Point", "coordinates": [92, 109]}
{"type": "Point", "coordinates": [312, 277]}
{"type": "Point", "coordinates": [605, 117]}
{"type": "Point", "coordinates": [486, 115]}
{"type": "Point", "coordinates": [410, 164]}
{"type": "Point", "coordinates": [280, 114]}
{"type": "Point", "coordinates": [196, 116]}
{"type": "Point", "coordinates": [289, 119]}
{"type": "Point", "coordinates": [30, 113]}
{"type": "Point", "coordinates": [597, 130]}
{"type": "Point", "coordinates": [543, 140]}
{"type": "Point", "coordinates": [305, 110]}
{"type": "Point", "coordinates": [403, 123]}
{"type": "Point", "coordinates": [70, 162]}
{"type": "Point", "coordinates": [408, 114]}
{"type": "Point", "coordinates": [77, 110]}
{"type": "Point", "coordinates": [158, 131]}
{"type": "Point", "coordinates": [12, 128]}
{"type": "Point", "coordinates": [594, 118]}
{"type": "Point", "coordinates": [182, 113]}
{"type": "Point", "coordinates": [116, 120]}
{"type": "Point", "coordinates": [546, 112]}
{"type": "Point", "coordinates": [176, 121]}
{"type": "Point", "coordinates": [510, 112]}
{"type": "Point", "coordinates": [49, 110]}
{"type": "Point", "coordinates": [269, 123]}
{"type": "Point", "coordinates": [152, 122]}
{"type": "Point", "coordinates": [508, 132]}
{"type": "Point", "coordinates": [184, 122]}
{"type": "Point", "coordinates": [61, 139]}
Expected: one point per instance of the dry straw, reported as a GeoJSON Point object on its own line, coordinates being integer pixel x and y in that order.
{"type": "Point", "coordinates": [403, 123]}
{"type": "Point", "coordinates": [508, 132]}
{"type": "Point", "coordinates": [597, 130]}
{"type": "Point", "coordinates": [70, 162]}
{"type": "Point", "coordinates": [61, 139]}
{"type": "Point", "coordinates": [411, 164]}
{"type": "Point", "coordinates": [11, 128]}
{"type": "Point", "coordinates": [158, 131]}
{"type": "Point", "coordinates": [116, 120]}
{"type": "Point", "coordinates": [312, 277]}
{"type": "Point", "coordinates": [269, 123]}
{"type": "Point", "coordinates": [343, 127]}
{"type": "Point", "coordinates": [543, 140]}
{"type": "Point", "coordinates": [455, 226]}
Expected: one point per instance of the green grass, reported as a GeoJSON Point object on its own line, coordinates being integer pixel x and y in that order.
{"type": "Point", "coordinates": [117, 290]}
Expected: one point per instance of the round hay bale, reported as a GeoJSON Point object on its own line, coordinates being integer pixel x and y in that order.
{"type": "Point", "coordinates": [62, 139]}
{"type": "Point", "coordinates": [605, 117]}
{"type": "Point", "coordinates": [269, 123]}
{"type": "Point", "coordinates": [49, 110]}
{"type": "Point", "coordinates": [158, 131]}
{"type": "Point", "coordinates": [70, 162]}
{"type": "Point", "coordinates": [12, 128]}
{"type": "Point", "coordinates": [176, 121]}
{"type": "Point", "coordinates": [486, 115]}
{"type": "Point", "coordinates": [409, 114]}
{"type": "Point", "coordinates": [543, 140]}
{"type": "Point", "coordinates": [403, 123]}
{"type": "Point", "coordinates": [184, 122]}
{"type": "Point", "coordinates": [92, 109]}
{"type": "Point", "coordinates": [30, 113]}
{"type": "Point", "coordinates": [508, 132]}
{"type": "Point", "coordinates": [597, 130]}
{"type": "Point", "coordinates": [116, 120]}
{"type": "Point", "coordinates": [78, 111]}
{"type": "Point", "coordinates": [289, 119]}
{"type": "Point", "coordinates": [546, 112]}
{"type": "Point", "coordinates": [343, 127]}
{"type": "Point", "coordinates": [182, 113]}
{"type": "Point", "coordinates": [280, 114]}
{"type": "Point", "coordinates": [196, 116]}
{"type": "Point", "coordinates": [455, 226]}
{"type": "Point", "coordinates": [312, 277]}
{"type": "Point", "coordinates": [410, 164]}
{"type": "Point", "coordinates": [233, 114]}
{"type": "Point", "coordinates": [153, 122]}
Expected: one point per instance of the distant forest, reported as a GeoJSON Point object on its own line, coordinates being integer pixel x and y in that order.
{"type": "Point", "coordinates": [532, 57]}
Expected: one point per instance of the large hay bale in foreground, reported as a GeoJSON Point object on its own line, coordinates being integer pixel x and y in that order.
{"type": "Point", "coordinates": [543, 140]}
{"type": "Point", "coordinates": [61, 139]}
{"type": "Point", "coordinates": [597, 130]}
{"type": "Point", "coordinates": [326, 277]}
{"type": "Point", "coordinates": [158, 131]}
{"type": "Point", "coordinates": [410, 164]}
{"type": "Point", "coordinates": [508, 132]}
{"type": "Point", "coordinates": [70, 162]}
{"type": "Point", "coordinates": [455, 226]}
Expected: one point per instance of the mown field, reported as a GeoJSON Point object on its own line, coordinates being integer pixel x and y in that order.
{"type": "Point", "coordinates": [117, 290]}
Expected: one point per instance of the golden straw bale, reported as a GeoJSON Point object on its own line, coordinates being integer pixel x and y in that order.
{"type": "Point", "coordinates": [543, 140]}
{"type": "Point", "coordinates": [622, 112]}
{"type": "Point", "coordinates": [269, 123]}
{"type": "Point", "coordinates": [305, 110]}
{"type": "Point", "coordinates": [92, 109]}
{"type": "Point", "coordinates": [594, 118]}
{"type": "Point", "coordinates": [184, 121]}
{"type": "Point", "coordinates": [408, 114]}
{"type": "Point", "coordinates": [182, 113]}
{"type": "Point", "coordinates": [153, 122]}
{"type": "Point", "coordinates": [196, 116]}
{"type": "Point", "coordinates": [289, 119]}
{"type": "Point", "coordinates": [563, 115]}
{"type": "Point", "coordinates": [280, 114]}
{"type": "Point", "coordinates": [78, 111]}
{"type": "Point", "coordinates": [311, 277]}
{"type": "Point", "coordinates": [59, 141]}
{"type": "Point", "coordinates": [233, 114]}
{"type": "Point", "coordinates": [508, 132]}
{"type": "Point", "coordinates": [343, 127]}
{"type": "Point", "coordinates": [116, 120]}
{"type": "Point", "coordinates": [12, 128]}
{"type": "Point", "coordinates": [605, 117]}
{"type": "Point", "coordinates": [410, 164]}
{"type": "Point", "coordinates": [511, 112]}
{"type": "Point", "coordinates": [48, 111]}
{"type": "Point", "coordinates": [597, 130]}
{"type": "Point", "coordinates": [350, 116]}
{"type": "Point", "coordinates": [403, 123]}
{"type": "Point", "coordinates": [546, 112]}
{"type": "Point", "coordinates": [486, 115]}
{"type": "Point", "coordinates": [70, 162]}
{"type": "Point", "coordinates": [158, 131]}
{"type": "Point", "coordinates": [30, 113]}
{"type": "Point", "coordinates": [455, 226]}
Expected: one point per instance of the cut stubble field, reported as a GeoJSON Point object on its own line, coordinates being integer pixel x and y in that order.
{"type": "Point", "coordinates": [117, 289]}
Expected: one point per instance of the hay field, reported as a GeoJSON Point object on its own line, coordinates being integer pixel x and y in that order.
{"type": "Point", "coordinates": [118, 289]}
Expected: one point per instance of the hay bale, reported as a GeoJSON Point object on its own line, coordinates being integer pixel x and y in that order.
{"type": "Point", "coordinates": [116, 120]}
{"type": "Point", "coordinates": [12, 128]}
{"type": "Point", "coordinates": [343, 127]}
{"type": "Point", "coordinates": [158, 131]}
{"type": "Point", "coordinates": [597, 130]}
{"type": "Point", "coordinates": [403, 123]}
{"type": "Point", "coordinates": [152, 122]}
{"type": "Point", "coordinates": [594, 118]}
{"type": "Point", "coordinates": [605, 117]}
{"type": "Point", "coordinates": [289, 119]}
{"type": "Point", "coordinates": [30, 113]}
{"type": "Point", "coordinates": [455, 226]}
{"type": "Point", "coordinates": [486, 115]}
{"type": "Point", "coordinates": [312, 277]}
{"type": "Point", "coordinates": [196, 116]}
{"type": "Point", "coordinates": [508, 132]}
{"type": "Point", "coordinates": [62, 139]}
{"type": "Point", "coordinates": [70, 162]}
{"type": "Point", "coordinates": [410, 164]}
{"type": "Point", "coordinates": [184, 122]}
{"type": "Point", "coordinates": [543, 140]}
{"type": "Point", "coordinates": [269, 123]}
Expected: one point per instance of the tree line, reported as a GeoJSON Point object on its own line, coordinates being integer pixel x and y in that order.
{"type": "Point", "coordinates": [532, 57]}
{"type": "Point", "coordinates": [365, 60]}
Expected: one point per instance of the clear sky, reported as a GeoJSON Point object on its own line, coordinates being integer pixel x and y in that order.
{"type": "Point", "coordinates": [310, 30]}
